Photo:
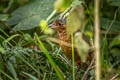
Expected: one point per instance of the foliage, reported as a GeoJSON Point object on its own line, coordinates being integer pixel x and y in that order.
{"type": "Point", "coordinates": [26, 56]}
{"type": "Point", "coordinates": [27, 17]}
{"type": "Point", "coordinates": [75, 20]}
{"type": "Point", "coordinates": [114, 2]}
{"type": "Point", "coordinates": [109, 24]}
{"type": "Point", "coordinates": [62, 5]}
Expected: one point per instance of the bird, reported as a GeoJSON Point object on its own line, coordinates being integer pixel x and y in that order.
{"type": "Point", "coordinates": [60, 26]}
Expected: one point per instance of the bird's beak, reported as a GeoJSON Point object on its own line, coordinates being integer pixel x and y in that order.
{"type": "Point", "coordinates": [51, 25]}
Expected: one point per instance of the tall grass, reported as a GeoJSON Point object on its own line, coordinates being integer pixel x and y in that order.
{"type": "Point", "coordinates": [73, 62]}
{"type": "Point", "coordinates": [49, 58]}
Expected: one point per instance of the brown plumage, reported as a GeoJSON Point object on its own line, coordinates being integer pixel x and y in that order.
{"type": "Point", "coordinates": [61, 30]}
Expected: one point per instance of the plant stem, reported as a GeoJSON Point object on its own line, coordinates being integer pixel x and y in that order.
{"type": "Point", "coordinates": [51, 15]}
{"type": "Point", "coordinates": [97, 39]}
{"type": "Point", "coordinates": [73, 64]}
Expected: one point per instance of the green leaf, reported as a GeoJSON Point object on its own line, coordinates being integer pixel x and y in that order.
{"type": "Point", "coordinates": [12, 70]}
{"type": "Point", "coordinates": [114, 2]}
{"type": "Point", "coordinates": [29, 16]}
{"type": "Point", "coordinates": [2, 26]}
{"type": "Point", "coordinates": [1, 79]}
{"type": "Point", "coordinates": [9, 5]}
{"type": "Point", "coordinates": [115, 42]}
{"type": "Point", "coordinates": [1, 65]}
{"type": "Point", "coordinates": [3, 17]}
{"type": "Point", "coordinates": [61, 5]}
{"type": "Point", "coordinates": [75, 19]}
{"type": "Point", "coordinates": [82, 46]}
{"type": "Point", "coordinates": [27, 23]}
{"type": "Point", "coordinates": [2, 50]}
{"type": "Point", "coordinates": [8, 76]}
{"type": "Point", "coordinates": [105, 53]}
{"type": "Point", "coordinates": [115, 51]}
{"type": "Point", "coordinates": [27, 37]}
{"type": "Point", "coordinates": [76, 2]}
{"type": "Point", "coordinates": [31, 76]}
{"type": "Point", "coordinates": [106, 24]}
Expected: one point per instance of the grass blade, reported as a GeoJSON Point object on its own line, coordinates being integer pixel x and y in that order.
{"type": "Point", "coordinates": [49, 58]}
{"type": "Point", "coordinates": [73, 63]}
{"type": "Point", "coordinates": [12, 70]}
{"type": "Point", "coordinates": [25, 61]}
{"type": "Point", "coordinates": [31, 76]}
{"type": "Point", "coordinates": [9, 77]}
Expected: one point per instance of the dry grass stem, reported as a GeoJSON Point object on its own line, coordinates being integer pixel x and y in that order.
{"type": "Point", "coordinates": [97, 39]}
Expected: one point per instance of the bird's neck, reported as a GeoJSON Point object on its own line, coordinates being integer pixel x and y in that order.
{"type": "Point", "coordinates": [63, 35]}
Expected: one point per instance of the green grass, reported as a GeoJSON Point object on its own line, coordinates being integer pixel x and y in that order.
{"type": "Point", "coordinates": [46, 62]}
{"type": "Point", "coordinates": [73, 63]}
{"type": "Point", "coordinates": [49, 58]}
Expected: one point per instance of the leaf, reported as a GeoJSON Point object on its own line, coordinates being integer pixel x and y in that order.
{"type": "Point", "coordinates": [105, 52]}
{"type": "Point", "coordinates": [12, 70]}
{"type": "Point", "coordinates": [82, 46]}
{"type": "Point", "coordinates": [1, 79]}
{"type": "Point", "coordinates": [61, 5]}
{"type": "Point", "coordinates": [31, 76]}
{"type": "Point", "coordinates": [9, 5]}
{"type": "Point", "coordinates": [29, 16]}
{"type": "Point", "coordinates": [75, 19]}
{"type": "Point", "coordinates": [27, 37]}
{"type": "Point", "coordinates": [115, 42]}
{"type": "Point", "coordinates": [1, 65]}
{"type": "Point", "coordinates": [2, 50]}
{"type": "Point", "coordinates": [2, 26]}
{"type": "Point", "coordinates": [8, 76]}
{"type": "Point", "coordinates": [114, 2]}
{"type": "Point", "coordinates": [115, 51]}
{"type": "Point", "coordinates": [3, 17]}
{"type": "Point", "coordinates": [27, 23]}
{"type": "Point", "coordinates": [105, 24]}
{"type": "Point", "coordinates": [76, 2]}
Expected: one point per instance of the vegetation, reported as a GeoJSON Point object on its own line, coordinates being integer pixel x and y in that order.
{"type": "Point", "coordinates": [30, 50]}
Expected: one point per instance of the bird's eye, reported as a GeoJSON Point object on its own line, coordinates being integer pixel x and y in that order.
{"type": "Point", "coordinates": [60, 24]}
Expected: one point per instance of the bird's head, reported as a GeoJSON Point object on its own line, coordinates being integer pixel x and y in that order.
{"type": "Point", "coordinates": [58, 24]}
